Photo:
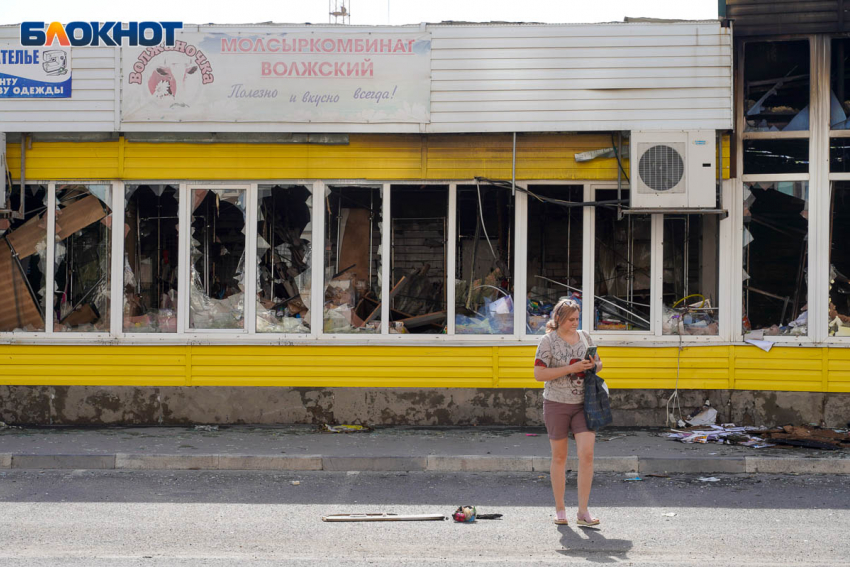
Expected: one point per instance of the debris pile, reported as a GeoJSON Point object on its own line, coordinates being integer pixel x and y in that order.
{"type": "Point", "coordinates": [809, 436]}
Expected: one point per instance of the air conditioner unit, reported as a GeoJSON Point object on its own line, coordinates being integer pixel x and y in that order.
{"type": "Point", "coordinates": [673, 169]}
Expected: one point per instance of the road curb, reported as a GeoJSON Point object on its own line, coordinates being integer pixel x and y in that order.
{"type": "Point", "coordinates": [431, 463]}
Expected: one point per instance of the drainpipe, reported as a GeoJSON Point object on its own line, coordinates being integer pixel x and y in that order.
{"type": "Point", "coordinates": [513, 169]}
{"type": "Point", "coordinates": [22, 207]}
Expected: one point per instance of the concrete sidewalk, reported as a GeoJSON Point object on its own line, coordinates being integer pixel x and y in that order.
{"type": "Point", "coordinates": [472, 449]}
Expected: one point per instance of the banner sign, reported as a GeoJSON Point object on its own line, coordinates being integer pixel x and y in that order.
{"type": "Point", "coordinates": [33, 72]}
{"type": "Point", "coordinates": [319, 76]}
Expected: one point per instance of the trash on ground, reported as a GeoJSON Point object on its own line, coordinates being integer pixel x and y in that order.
{"type": "Point", "coordinates": [632, 479]}
{"type": "Point", "coordinates": [206, 428]}
{"type": "Point", "coordinates": [382, 517]}
{"type": "Point", "coordinates": [532, 434]}
{"type": "Point", "coordinates": [344, 428]}
{"type": "Point", "coordinates": [464, 514]}
{"type": "Point", "coordinates": [295, 482]}
{"type": "Point", "coordinates": [707, 415]}
{"type": "Point", "coordinates": [709, 479]}
{"type": "Point", "coordinates": [808, 436]}
{"type": "Point", "coordinates": [669, 514]}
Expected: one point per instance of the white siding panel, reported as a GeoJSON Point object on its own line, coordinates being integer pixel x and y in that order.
{"type": "Point", "coordinates": [577, 63]}
{"type": "Point", "coordinates": [581, 78]}
{"type": "Point", "coordinates": [91, 107]}
{"type": "Point", "coordinates": [575, 95]}
{"type": "Point", "coordinates": [630, 52]}
{"type": "Point", "coordinates": [592, 104]}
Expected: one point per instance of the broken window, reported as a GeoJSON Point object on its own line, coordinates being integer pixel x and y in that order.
{"type": "Point", "coordinates": [690, 274]}
{"type": "Point", "coordinates": [216, 287]}
{"type": "Point", "coordinates": [775, 241]}
{"type": "Point", "coordinates": [555, 251]}
{"type": "Point", "coordinates": [484, 303]}
{"type": "Point", "coordinates": [839, 104]}
{"type": "Point", "coordinates": [419, 216]}
{"type": "Point", "coordinates": [839, 260]}
{"type": "Point", "coordinates": [839, 155]}
{"type": "Point", "coordinates": [353, 228]}
{"type": "Point", "coordinates": [23, 257]}
{"type": "Point", "coordinates": [284, 241]}
{"type": "Point", "coordinates": [150, 258]}
{"type": "Point", "coordinates": [776, 86]}
{"type": "Point", "coordinates": [776, 156]}
{"type": "Point", "coordinates": [622, 271]}
{"type": "Point", "coordinates": [82, 255]}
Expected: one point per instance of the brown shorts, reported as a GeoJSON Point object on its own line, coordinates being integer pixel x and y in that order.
{"type": "Point", "coordinates": [561, 418]}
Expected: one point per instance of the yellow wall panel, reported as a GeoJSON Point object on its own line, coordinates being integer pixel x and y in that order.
{"type": "Point", "coordinates": [366, 156]}
{"type": "Point", "coordinates": [784, 368]}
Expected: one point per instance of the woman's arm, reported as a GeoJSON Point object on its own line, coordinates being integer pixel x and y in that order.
{"type": "Point", "coordinates": [543, 374]}
{"type": "Point", "coordinates": [598, 363]}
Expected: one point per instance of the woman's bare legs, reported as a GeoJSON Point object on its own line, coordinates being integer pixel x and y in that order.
{"type": "Point", "coordinates": [584, 446]}
{"type": "Point", "coordinates": [558, 470]}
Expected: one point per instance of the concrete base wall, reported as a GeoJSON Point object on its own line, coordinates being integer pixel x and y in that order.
{"type": "Point", "coordinates": [120, 405]}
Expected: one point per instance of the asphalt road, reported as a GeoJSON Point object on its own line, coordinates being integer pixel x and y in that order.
{"type": "Point", "coordinates": [217, 519]}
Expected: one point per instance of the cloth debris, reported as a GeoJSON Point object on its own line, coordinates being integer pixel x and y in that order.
{"type": "Point", "coordinates": [344, 428]}
{"type": "Point", "coordinates": [727, 434]}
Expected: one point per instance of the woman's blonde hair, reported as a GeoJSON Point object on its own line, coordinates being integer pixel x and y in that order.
{"type": "Point", "coordinates": [560, 312]}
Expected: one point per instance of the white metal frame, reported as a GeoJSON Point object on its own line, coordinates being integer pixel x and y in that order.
{"type": "Point", "coordinates": [185, 335]}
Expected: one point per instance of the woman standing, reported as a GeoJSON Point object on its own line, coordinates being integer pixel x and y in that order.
{"type": "Point", "coordinates": [560, 363]}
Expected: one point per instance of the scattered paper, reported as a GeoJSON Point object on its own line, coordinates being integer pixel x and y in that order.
{"type": "Point", "coordinates": [763, 345]}
{"type": "Point", "coordinates": [709, 479]}
{"type": "Point", "coordinates": [295, 482]}
{"type": "Point", "coordinates": [669, 514]}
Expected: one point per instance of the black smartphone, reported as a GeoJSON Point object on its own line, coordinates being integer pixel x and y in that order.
{"type": "Point", "coordinates": [591, 353]}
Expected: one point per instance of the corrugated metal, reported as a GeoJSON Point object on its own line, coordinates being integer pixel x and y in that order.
{"type": "Point", "coordinates": [702, 367]}
{"type": "Point", "coordinates": [91, 107]}
{"type": "Point", "coordinates": [581, 78]}
{"type": "Point", "coordinates": [367, 156]}
{"type": "Point", "coordinates": [485, 78]}
{"type": "Point", "coordinates": [777, 17]}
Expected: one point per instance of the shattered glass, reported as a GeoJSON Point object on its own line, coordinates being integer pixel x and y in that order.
{"type": "Point", "coordinates": [839, 106]}
{"type": "Point", "coordinates": [776, 86]}
{"type": "Point", "coordinates": [217, 237]}
{"type": "Point", "coordinates": [83, 254]}
{"type": "Point", "coordinates": [150, 258]}
{"type": "Point", "coordinates": [555, 251]}
{"type": "Point", "coordinates": [775, 256]}
{"type": "Point", "coordinates": [839, 260]}
{"type": "Point", "coordinates": [23, 275]}
{"type": "Point", "coordinates": [353, 260]}
{"type": "Point", "coordinates": [776, 156]}
{"type": "Point", "coordinates": [418, 258]}
{"type": "Point", "coordinates": [622, 283]}
{"type": "Point", "coordinates": [284, 250]}
{"type": "Point", "coordinates": [690, 275]}
{"type": "Point", "coordinates": [484, 302]}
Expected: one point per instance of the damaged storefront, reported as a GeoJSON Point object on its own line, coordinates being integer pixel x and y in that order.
{"type": "Point", "coordinates": [386, 247]}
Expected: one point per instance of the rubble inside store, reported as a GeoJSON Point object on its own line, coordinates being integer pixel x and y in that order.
{"type": "Point", "coordinates": [353, 257]}
{"type": "Point", "coordinates": [484, 252]}
{"type": "Point", "coordinates": [284, 240]}
{"type": "Point", "coordinates": [150, 259]}
{"type": "Point", "coordinates": [217, 256]}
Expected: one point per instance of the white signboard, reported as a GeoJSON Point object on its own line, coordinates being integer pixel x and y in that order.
{"type": "Point", "coordinates": [319, 76]}
{"type": "Point", "coordinates": [34, 72]}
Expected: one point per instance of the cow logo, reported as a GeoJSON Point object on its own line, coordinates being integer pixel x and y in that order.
{"type": "Point", "coordinates": [172, 76]}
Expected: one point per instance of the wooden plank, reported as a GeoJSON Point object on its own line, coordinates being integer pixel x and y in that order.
{"type": "Point", "coordinates": [354, 245]}
{"type": "Point", "coordinates": [77, 216]}
{"type": "Point", "coordinates": [17, 305]}
{"type": "Point", "coordinates": [421, 320]}
{"type": "Point", "coordinates": [26, 237]}
{"type": "Point", "coordinates": [393, 293]}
